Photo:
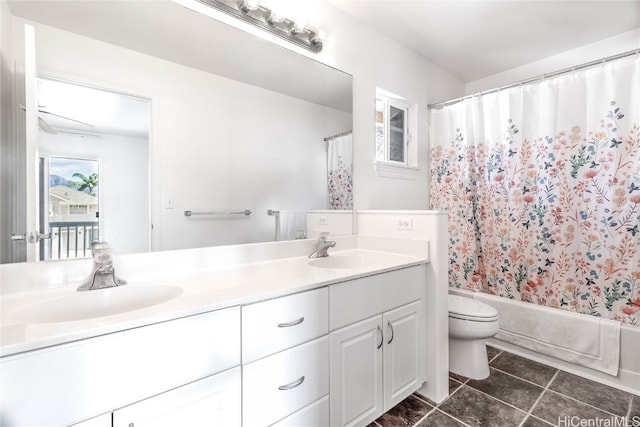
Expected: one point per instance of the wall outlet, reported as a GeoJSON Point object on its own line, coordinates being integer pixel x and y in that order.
{"type": "Point", "coordinates": [404, 224]}
{"type": "Point", "coordinates": [323, 220]}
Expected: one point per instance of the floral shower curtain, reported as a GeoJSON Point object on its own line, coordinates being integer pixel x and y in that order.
{"type": "Point", "coordinates": [340, 171]}
{"type": "Point", "coordinates": [542, 184]}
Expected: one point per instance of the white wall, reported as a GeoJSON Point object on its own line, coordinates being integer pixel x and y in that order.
{"type": "Point", "coordinates": [377, 61]}
{"type": "Point", "coordinates": [374, 60]}
{"type": "Point", "coordinates": [216, 144]}
{"type": "Point", "coordinates": [124, 184]}
{"type": "Point", "coordinates": [592, 52]}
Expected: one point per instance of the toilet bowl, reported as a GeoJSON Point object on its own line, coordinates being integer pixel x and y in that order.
{"type": "Point", "coordinates": [471, 322]}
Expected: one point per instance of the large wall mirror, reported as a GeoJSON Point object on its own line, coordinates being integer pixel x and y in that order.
{"type": "Point", "coordinates": [232, 124]}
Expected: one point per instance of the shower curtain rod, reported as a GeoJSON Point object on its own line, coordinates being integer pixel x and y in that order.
{"type": "Point", "coordinates": [440, 105]}
{"type": "Point", "coordinates": [346, 132]}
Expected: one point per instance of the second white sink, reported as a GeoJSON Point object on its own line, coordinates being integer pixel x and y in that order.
{"type": "Point", "coordinates": [95, 303]}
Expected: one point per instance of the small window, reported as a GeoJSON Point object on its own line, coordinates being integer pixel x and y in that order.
{"type": "Point", "coordinates": [392, 130]}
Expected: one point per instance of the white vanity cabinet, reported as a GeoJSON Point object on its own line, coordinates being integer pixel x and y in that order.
{"type": "Point", "coordinates": [285, 370]}
{"type": "Point", "coordinates": [103, 420]}
{"type": "Point", "coordinates": [80, 380]}
{"type": "Point", "coordinates": [212, 401]}
{"type": "Point", "coordinates": [335, 355]}
{"type": "Point", "coordinates": [378, 361]}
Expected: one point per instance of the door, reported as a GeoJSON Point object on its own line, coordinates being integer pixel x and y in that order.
{"type": "Point", "coordinates": [83, 125]}
{"type": "Point", "coordinates": [403, 349]}
{"type": "Point", "coordinates": [69, 206]}
{"type": "Point", "coordinates": [22, 242]}
{"type": "Point", "coordinates": [211, 402]}
{"type": "Point", "coordinates": [356, 373]}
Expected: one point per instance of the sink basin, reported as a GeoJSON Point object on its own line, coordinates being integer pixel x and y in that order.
{"type": "Point", "coordinates": [339, 261]}
{"type": "Point", "coordinates": [96, 303]}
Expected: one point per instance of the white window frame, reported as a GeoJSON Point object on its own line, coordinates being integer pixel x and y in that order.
{"type": "Point", "coordinates": [408, 167]}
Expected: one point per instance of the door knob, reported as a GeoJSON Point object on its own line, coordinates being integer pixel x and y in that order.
{"type": "Point", "coordinates": [41, 236]}
{"type": "Point", "coordinates": [32, 238]}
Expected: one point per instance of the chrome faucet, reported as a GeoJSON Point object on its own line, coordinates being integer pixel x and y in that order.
{"type": "Point", "coordinates": [103, 275]}
{"type": "Point", "coordinates": [322, 246]}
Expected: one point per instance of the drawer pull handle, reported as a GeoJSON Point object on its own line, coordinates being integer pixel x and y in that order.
{"type": "Point", "coordinates": [390, 327]}
{"type": "Point", "coordinates": [381, 337]}
{"type": "Point", "coordinates": [290, 324]}
{"type": "Point", "coordinates": [294, 384]}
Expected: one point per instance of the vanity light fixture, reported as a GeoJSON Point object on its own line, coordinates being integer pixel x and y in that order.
{"type": "Point", "coordinates": [252, 12]}
{"type": "Point", "coordinates": [249, 5]}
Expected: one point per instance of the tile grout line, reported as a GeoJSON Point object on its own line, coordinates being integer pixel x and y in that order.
{"type": "Point", "coordinates": [524, 379]}
{"type": "Point", "coordinates": [630, 406]}
{"type": "Point", "coordinates": [562, 394]}
{"type": "Point", "coordinates": [429, 412]}
{"type": "Point", "coordinates": [569, 397]}
{"type": "Point", "coordinates": [544, 390]}
{"type": "Point", "coordinates": [496, 399]}
{"type": "Point", "coordinates": [446, 415]}
{"type": "Point", "coordinates": [587, 404]}
{"type": "Point", "coordinates": [437, 405]}
{"type": "Point", "coordinates": [433, 409]}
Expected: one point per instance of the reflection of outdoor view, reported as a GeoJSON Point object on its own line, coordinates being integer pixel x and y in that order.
{"type": "Point", "coordinates": [73, 207]}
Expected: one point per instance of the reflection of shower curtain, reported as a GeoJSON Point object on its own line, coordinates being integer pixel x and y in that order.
{"type": "Point", "coordinates": [340, 171]}
{"type": "Point", "coordinates": [542, 183]}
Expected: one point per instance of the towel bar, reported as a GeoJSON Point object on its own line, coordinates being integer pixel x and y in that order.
{"type": "Point", "coordinates": [246, 212]}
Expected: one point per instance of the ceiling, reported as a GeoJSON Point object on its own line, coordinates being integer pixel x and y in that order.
{"type": "Point", "coordinates": [88, 112]}
{"type": "Point", "coordinates": [473, 39]}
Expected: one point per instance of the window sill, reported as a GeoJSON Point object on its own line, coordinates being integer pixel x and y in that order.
{"type": "Point", "coordinates": [390, 170]}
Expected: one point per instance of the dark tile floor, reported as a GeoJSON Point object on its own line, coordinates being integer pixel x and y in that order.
{"type": "Point", "coordinates": [519, 393]}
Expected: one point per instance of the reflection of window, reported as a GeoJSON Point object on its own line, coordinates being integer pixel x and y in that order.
{"type": "Point", "coordinates": [392, 130]}
{"type": "Point", "coordinates": [78, 209]}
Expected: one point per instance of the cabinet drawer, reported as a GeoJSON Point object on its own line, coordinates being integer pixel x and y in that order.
{"type": "Point", "coordinates": [314, 415]}
{"type": "Point", "coordinates": [277, 324]}
{"type": "Point", "coordinates": [279, 385]}
{"type": "Point", "coordinates": [358, 299]}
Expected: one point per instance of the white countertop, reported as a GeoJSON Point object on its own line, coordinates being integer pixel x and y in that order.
{"type": "Point", "coordinates": [202, 291]}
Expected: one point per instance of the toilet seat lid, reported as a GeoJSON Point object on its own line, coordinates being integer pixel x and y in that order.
{"type": "Point", "coordinates": [468, 308]}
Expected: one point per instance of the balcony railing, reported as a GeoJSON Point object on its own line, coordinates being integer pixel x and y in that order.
{"type": "Point", "coordinates": [72, 239]}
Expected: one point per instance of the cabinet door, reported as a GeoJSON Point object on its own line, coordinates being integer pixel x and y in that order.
{"type": "Point", "coordinates": [403, 353]}
{"type": "Point", "coordinates": [356, 373]}
{"type": "Point", "coordinates": [212, 401]}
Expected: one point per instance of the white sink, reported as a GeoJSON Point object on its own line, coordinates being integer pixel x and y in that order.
{"type": "Point", "coordinates": [95, 303]}
{"type": "Point", "coordinates": [340, 261]}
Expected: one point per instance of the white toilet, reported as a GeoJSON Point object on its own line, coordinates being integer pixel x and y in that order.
{"type": "Point", "coordinates": [471, 322]}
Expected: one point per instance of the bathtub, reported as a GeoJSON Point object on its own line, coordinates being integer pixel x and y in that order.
{"type": "Point", "coordinates": [628, 376]}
